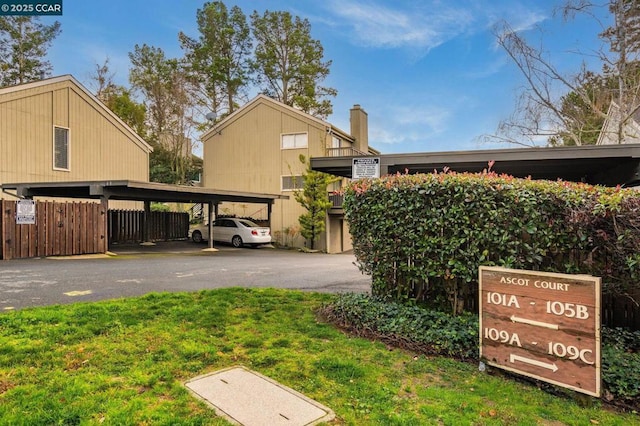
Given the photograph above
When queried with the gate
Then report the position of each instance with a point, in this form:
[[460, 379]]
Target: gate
[[61, 229]]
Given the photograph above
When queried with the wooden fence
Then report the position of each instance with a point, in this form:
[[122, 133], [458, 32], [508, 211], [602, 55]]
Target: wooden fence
[[61, 229], [67, 229], [126, 226]]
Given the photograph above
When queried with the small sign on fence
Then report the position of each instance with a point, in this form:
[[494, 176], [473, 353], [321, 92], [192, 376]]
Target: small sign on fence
[[25, 212], [542, 325]]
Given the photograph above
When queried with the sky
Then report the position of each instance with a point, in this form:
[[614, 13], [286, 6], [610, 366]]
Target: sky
[[429, 73]]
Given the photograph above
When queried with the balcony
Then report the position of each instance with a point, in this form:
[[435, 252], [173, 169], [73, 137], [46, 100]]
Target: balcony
[[336, 202], [344, 152]]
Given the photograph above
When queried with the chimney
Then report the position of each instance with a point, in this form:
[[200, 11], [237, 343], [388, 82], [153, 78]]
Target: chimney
[[360, 128]]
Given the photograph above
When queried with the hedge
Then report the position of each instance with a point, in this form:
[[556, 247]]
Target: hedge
[[422, 237]]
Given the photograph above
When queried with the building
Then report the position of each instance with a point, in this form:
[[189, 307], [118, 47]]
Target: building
[[611, 134], [55, 130], [257, 149]]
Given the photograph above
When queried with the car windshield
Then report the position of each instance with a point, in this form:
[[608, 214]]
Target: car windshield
[[248, 223]]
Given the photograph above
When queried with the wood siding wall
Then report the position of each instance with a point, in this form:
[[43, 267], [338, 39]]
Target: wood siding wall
[[247, 156], [61, 229], [100, 148]]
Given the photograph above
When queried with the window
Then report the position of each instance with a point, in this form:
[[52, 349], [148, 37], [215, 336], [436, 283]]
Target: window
[[60, 148], [335, 142], [291, 183], [294, 140]]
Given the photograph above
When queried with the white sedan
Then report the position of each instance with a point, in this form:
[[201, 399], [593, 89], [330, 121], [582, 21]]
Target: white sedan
[[238, 232]]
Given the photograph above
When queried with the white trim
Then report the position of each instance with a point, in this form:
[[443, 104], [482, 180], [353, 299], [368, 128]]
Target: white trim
[[68, 168], [282, 135]]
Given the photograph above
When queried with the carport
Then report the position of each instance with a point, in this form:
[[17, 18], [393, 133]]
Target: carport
[[128, 190], [609, 165]]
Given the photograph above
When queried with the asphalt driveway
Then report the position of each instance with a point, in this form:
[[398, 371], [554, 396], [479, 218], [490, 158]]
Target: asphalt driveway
[[171, 267]]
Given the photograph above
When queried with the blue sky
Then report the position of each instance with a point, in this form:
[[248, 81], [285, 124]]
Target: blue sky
[[428, 72]]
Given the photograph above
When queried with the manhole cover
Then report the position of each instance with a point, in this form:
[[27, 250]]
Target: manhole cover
[[248, 398]]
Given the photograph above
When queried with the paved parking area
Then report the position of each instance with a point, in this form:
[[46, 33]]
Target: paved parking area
[[175, 266]]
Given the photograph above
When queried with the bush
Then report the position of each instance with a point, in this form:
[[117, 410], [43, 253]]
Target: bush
[[438, 333], [621, 362], [427, 331], [423, 237]]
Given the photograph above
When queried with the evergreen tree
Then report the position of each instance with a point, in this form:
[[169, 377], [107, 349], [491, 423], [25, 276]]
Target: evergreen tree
[[218, 62], [315, 199], [289, 62], [24, 42]]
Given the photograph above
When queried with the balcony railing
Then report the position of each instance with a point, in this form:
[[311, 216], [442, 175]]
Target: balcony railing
[[344, 152], [336, 200]]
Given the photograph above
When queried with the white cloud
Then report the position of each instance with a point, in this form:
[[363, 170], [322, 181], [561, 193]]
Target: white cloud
[[488, 69], [523, 20], [422, 26], [406, 124], [374, 25]]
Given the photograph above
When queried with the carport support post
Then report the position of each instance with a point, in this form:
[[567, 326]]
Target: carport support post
[[212, 213], [145, 225]]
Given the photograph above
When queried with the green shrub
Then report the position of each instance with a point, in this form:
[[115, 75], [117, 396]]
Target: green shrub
[[437, 333], [621, 362], [423, 237], [428, 331]]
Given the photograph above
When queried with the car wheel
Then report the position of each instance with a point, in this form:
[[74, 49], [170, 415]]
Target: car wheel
[[236, 241], [196, 237]]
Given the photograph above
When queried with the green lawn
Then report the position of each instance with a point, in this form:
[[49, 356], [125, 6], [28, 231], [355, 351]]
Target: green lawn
[[124, 362]]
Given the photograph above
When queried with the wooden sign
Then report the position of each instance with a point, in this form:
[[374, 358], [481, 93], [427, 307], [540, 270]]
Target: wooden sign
[[542, 325]]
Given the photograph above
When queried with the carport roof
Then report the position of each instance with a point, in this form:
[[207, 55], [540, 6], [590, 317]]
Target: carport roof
[[602, 164], [136, 191]]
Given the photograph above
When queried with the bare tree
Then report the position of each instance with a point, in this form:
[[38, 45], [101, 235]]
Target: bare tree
[[560, 109], [102, 80]]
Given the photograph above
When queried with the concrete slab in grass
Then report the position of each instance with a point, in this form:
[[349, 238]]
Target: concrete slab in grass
[[248, 398]]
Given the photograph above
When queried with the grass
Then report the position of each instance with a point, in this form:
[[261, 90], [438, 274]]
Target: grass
[[124, 362]]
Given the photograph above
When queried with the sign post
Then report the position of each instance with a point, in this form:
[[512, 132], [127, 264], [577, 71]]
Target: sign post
[[542, 325]]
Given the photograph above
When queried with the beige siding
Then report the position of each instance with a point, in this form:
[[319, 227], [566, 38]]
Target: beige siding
[[246, 155], [61, 107], [100, 147]]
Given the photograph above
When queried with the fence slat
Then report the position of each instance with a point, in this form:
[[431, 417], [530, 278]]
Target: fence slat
[[126, 226]]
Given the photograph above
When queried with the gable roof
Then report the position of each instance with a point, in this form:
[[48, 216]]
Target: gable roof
[[632, 126], [68, 78], [263, 99]]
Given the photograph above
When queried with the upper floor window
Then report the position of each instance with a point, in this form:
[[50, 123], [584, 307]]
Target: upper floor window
[[292, 183], [60, 148], [294, 140]]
